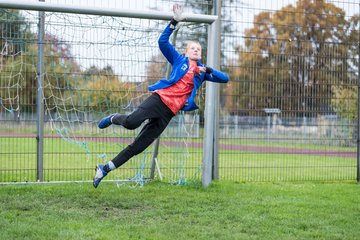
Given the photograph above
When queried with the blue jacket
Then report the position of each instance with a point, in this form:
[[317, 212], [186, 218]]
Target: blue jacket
[[180, 66]]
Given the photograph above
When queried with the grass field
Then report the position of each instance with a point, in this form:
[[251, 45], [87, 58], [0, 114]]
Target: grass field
[[66, 161], [163, 211]]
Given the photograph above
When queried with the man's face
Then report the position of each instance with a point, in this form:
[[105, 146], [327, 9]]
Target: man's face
[[193, 51]]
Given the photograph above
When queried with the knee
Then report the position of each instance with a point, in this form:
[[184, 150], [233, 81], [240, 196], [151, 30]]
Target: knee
[[129, 123]]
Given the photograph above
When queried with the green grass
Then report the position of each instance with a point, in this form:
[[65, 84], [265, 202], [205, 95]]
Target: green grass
[[290, 143], [249, 138], [243, 166], [162, 211], [66, 161]]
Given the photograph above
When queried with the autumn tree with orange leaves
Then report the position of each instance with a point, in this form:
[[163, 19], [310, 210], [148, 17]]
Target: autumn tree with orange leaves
[[292, 59]]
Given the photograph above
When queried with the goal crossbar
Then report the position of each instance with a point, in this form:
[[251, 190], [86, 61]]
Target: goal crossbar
[[130, 13]]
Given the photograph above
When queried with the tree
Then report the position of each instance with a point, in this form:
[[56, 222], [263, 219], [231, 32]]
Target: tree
[[291, 59], [103, 91], [14, 31], [345, 99], [156, 69], [19, 75]]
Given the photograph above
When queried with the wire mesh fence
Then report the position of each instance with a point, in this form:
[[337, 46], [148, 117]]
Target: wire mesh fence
[[291, 107], [289, 112]]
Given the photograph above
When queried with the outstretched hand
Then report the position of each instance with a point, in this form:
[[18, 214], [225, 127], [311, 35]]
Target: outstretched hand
[[178, 12]]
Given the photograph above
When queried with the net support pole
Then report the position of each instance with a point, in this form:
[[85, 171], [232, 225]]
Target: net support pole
[[210, 149], [39, 98], [358, 114]]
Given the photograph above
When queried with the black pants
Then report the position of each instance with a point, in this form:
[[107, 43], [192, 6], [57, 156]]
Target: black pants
[[159, 116]]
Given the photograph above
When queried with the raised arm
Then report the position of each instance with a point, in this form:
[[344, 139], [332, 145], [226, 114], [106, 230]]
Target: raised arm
[[165, 46]]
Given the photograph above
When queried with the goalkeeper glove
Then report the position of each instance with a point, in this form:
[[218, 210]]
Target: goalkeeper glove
[[178, 15]]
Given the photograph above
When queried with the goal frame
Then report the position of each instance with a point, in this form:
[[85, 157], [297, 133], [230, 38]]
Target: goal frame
[[210, 146]]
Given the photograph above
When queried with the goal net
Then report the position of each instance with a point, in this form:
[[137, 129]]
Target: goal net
[[93, 66]]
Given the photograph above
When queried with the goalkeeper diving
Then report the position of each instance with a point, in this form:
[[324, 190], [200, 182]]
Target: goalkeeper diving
[[168, 97]]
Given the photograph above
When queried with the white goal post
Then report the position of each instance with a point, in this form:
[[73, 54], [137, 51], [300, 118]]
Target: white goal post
[[209, 168]]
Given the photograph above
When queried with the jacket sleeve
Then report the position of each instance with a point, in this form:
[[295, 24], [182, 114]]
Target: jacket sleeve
[[165, 46], [217, 76]]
